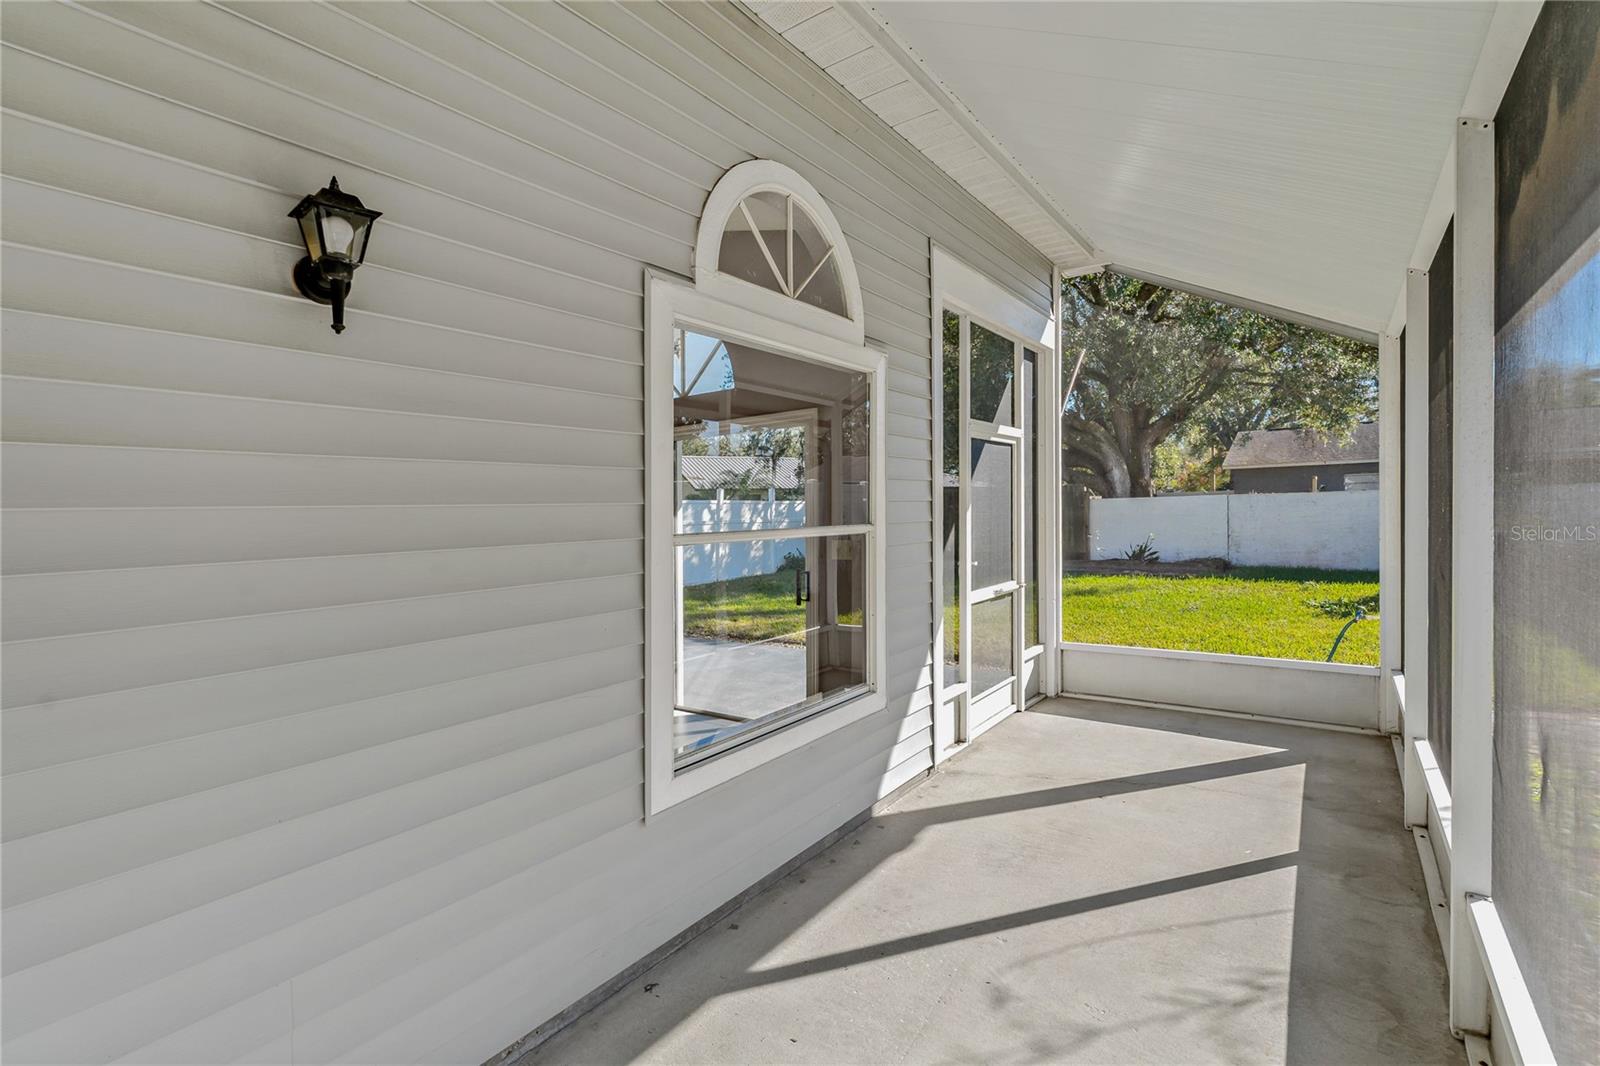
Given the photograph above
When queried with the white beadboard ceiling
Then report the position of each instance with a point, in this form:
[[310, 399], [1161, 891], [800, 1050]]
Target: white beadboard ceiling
[[1282, 153], [852, 44]]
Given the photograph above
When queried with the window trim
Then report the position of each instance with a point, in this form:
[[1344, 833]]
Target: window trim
[[671, 302], [763, 175]]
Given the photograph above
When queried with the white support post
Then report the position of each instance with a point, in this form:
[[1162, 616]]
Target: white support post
[[944, 728], [1472, 571], [1049, 496], [1414, 547], [1389, 532]]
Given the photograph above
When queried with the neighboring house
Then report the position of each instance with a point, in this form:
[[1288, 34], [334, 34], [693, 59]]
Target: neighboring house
[[1303, 460]]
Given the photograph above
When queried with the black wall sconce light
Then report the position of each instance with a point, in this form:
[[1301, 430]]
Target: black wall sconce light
[[335, 227]]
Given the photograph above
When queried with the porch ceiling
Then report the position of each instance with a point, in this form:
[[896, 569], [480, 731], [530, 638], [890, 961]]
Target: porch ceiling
[[1286, 154]]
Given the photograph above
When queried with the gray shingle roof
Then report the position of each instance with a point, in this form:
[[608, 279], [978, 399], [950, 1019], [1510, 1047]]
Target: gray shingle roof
[[1302, 447], [710, 471]]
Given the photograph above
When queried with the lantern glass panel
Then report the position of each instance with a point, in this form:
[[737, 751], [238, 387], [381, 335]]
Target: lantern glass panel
[[338, 235], [308, 231], [358, 249]]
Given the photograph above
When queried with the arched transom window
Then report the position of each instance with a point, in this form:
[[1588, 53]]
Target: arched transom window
[[765, 226], [775, 243]]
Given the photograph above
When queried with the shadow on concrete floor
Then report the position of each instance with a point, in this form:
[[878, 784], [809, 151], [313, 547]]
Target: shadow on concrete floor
[[1089, 883]]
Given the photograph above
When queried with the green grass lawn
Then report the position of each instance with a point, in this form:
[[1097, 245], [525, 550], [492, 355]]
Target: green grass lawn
[[1282, 613], [1278, 612]]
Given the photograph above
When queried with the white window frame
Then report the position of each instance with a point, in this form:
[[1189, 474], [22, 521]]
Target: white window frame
[[965, 291], [764, 175], [727, 307]]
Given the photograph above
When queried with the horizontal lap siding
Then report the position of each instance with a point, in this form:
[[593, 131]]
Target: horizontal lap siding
[[323, 690]]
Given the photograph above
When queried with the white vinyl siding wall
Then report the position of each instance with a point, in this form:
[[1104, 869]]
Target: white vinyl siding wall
[[323, 674]]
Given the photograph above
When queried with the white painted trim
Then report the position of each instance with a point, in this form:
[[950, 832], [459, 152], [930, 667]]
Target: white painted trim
[[959, 288], [1341, 694], [1049, 475], [1300, 665], [1472, 565], [1503, 43], [1302, 723], [760, 175], [1390, 596], [1516, 1024], [946, 698], [1436, 794], [964, 521], [670, 302], [1524, 1033], [1433, 883], [1414, 547]]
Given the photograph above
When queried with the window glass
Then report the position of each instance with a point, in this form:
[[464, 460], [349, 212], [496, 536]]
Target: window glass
[[771, 630], [950, 479], [766, 441], [816, 271], [772, 627], [992, 643], [993, 367], [755, 242], [992, 530], [772, 241]]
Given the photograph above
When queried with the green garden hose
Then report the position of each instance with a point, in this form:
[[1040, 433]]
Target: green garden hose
[[1361, 613]]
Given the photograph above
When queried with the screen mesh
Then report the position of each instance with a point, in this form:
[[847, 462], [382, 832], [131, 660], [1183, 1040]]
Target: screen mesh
[[1546, 875], [1441, 352]]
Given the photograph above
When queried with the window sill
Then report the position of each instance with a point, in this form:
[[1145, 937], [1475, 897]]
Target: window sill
[[703, 775]]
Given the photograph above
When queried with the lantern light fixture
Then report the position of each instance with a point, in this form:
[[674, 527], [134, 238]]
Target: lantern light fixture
[[335, 227]]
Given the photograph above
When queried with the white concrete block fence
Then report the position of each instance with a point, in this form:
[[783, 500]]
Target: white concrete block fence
[[1327, 530]]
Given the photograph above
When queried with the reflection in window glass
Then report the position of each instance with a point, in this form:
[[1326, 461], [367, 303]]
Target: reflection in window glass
[[771, 240], [990, 380], [773, 627], [772, 630], [992, 643], [816, 271], [765, 441], [753, 241], [992, 530], [770, 212], [950, 479]]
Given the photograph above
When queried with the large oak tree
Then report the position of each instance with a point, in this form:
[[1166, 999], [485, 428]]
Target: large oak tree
[[1156, 362]]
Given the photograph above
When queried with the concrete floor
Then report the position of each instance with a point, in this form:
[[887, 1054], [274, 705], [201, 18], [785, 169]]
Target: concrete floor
[[1090, 883]]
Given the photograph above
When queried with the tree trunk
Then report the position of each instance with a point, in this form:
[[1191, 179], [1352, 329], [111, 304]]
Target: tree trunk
[[1140, 464], [1116, 473]]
